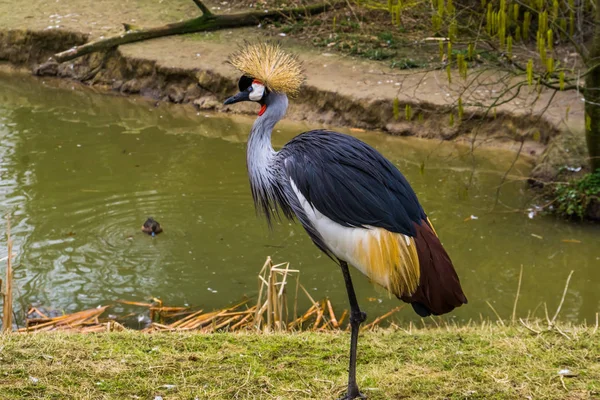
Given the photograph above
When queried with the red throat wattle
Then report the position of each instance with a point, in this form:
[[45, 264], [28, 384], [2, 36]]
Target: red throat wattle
[[262, 110]]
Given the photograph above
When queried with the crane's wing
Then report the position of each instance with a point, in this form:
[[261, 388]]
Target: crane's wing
[[351, 183], [373, 218]]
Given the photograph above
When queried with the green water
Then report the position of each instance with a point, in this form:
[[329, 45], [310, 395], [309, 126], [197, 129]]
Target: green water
[[80, 172]]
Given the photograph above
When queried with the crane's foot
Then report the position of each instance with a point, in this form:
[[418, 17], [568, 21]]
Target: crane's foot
[[357, 395], [353, 392]]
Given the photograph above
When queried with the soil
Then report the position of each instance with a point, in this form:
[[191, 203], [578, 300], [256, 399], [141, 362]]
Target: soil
[[340, 90]]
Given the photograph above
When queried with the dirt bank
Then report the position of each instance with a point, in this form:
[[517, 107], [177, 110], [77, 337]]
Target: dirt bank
[[342, 91], [129, 71]]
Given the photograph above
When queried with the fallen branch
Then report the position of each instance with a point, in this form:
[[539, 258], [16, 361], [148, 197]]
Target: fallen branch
[[202, 7], [207, 22]]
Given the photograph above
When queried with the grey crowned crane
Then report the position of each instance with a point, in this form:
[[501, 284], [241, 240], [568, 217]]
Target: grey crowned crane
[[355, 204]]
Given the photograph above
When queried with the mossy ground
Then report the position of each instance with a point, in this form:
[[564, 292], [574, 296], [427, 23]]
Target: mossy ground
[[484, 362]]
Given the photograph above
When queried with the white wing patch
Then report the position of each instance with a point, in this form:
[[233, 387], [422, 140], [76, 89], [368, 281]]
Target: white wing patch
[[377, 253], [339, 239]]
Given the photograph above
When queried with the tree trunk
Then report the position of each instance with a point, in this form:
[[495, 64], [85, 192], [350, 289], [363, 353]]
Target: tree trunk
[[207, 22], [592, 96]]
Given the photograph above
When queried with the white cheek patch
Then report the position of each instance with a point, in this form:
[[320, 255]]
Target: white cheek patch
[[257, 91]]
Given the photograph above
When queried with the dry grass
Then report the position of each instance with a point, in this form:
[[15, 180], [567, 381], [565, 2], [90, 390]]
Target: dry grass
[[486, 361]]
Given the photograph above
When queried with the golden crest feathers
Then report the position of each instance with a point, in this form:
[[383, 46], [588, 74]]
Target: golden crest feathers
[[268, 63]]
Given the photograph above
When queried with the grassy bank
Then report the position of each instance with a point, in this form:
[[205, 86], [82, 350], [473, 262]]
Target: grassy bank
[[484, 362]]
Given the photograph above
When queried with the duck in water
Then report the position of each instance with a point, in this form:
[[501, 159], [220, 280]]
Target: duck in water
[[151, 227]]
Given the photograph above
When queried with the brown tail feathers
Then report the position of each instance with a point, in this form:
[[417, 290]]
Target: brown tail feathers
[[439, 290]]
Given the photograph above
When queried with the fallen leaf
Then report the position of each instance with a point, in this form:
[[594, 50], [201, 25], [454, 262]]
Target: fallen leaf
[[571, 241]]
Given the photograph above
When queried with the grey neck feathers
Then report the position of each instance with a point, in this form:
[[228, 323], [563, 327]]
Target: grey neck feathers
[[261, 156]]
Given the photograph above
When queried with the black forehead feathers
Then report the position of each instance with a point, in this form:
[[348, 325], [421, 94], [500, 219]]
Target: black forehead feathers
[[245, 82]]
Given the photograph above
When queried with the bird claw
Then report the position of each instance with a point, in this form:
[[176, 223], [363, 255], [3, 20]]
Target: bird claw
[[358, 395]]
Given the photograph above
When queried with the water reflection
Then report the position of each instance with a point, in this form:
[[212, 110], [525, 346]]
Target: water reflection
[[80, 172]]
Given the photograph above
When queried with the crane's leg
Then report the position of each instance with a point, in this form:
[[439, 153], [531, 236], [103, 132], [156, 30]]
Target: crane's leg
[[356, 318]]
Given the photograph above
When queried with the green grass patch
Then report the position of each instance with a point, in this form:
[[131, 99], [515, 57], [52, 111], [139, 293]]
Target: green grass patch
[[487, 362], [574, 197]]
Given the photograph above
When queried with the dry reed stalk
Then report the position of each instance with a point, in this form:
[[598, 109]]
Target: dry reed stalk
[[270, 301], [228, 321], [34, 321], [281, 299], [135, 303], [343, 317], [261, 281], [184, 320], [158, 304], [168, 309], [7, 308], [296, 295], [334, 321], [173, 316], [500, 321], [38, 322], [204, 320], [514, 313], [240, 323], [562, 300], [157, 301], [200, 320], [67, 322], [312, 310], [115, 326], [308, 294], [37, 311], [325, 326], [166, 312], [110, 326], [92, 329], [434, 321], [318, 320], [248, 311], [279, 293], [381, 318], [160, 326], [272, 297]]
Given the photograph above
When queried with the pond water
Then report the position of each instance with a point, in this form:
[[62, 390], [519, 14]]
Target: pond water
[[81, 171]]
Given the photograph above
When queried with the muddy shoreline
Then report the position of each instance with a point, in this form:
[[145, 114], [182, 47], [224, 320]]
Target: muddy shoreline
[[206, 88]]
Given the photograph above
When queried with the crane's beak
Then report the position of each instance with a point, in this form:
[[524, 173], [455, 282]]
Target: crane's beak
[[241, 96]]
